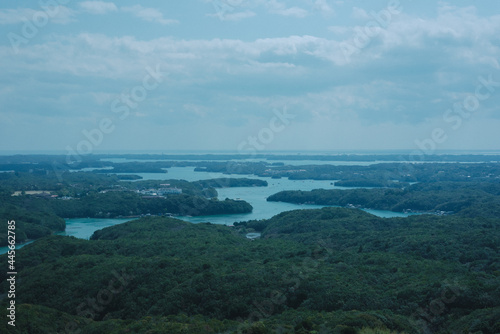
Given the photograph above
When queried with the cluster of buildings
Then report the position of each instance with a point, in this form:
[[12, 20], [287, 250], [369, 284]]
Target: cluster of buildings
[[283, 172], [163, 191], [36, 193]]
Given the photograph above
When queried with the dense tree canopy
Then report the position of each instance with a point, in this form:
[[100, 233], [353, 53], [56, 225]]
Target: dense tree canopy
[[474, 199], [334, 267]]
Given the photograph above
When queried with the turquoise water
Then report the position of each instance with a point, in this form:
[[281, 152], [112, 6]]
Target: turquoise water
[[84, 227], [256, 196], [262, 209], [182, 173], [5, 249]]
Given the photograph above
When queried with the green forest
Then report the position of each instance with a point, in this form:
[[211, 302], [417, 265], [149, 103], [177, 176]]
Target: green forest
[[331, 270], [472, 199]]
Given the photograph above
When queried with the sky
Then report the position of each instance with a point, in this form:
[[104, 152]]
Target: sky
[[249, 75]]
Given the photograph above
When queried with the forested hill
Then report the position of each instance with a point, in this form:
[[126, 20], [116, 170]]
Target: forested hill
[[331, 270], [472, 199]]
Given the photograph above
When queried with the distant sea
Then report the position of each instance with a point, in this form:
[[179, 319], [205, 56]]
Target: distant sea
[[280, 152]]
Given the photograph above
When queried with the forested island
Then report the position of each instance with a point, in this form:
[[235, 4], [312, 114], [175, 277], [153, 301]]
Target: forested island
[[472, 199], [371, 183]]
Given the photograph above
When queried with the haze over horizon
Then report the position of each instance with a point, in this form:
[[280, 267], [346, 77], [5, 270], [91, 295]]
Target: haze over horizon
[[249, 76]]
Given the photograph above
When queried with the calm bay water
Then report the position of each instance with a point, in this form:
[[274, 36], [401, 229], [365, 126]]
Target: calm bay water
[[84, 227], [256, 196], [5, 249]]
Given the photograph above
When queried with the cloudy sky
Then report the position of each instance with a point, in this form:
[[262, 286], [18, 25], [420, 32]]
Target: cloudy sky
[[97, 76]]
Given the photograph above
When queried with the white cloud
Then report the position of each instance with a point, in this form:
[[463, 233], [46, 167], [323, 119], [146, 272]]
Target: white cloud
[[235, 16], [456, 33], [280, 8], [339, 30], [149, 14], [359, 13], [58, 15], [459, 36], [323, 6], [64, 15], [98, 7]]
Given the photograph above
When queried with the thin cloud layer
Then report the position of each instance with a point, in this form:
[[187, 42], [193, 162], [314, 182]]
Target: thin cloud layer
[[98, 7], [148, 14]]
